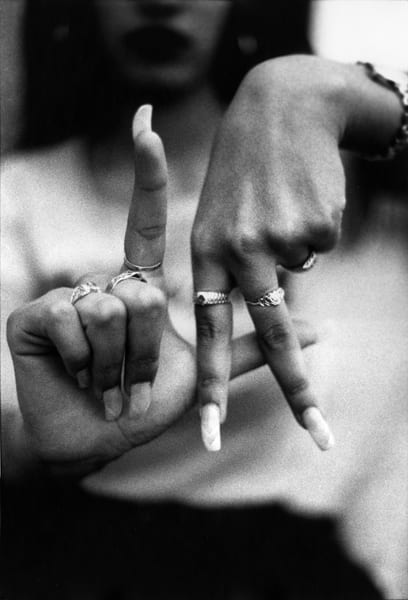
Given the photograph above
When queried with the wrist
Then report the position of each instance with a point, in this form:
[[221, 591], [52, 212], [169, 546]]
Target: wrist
[[359, 113], [374, 114], [308, 91]]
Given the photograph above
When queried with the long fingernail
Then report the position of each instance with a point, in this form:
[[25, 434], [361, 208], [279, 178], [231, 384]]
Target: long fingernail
[[84, 379], [112, 400], [210, 427], [140, 399], [318, 428], [142, 120]]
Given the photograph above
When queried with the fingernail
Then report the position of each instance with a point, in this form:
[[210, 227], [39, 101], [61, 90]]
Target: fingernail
[[318, 428], [142, 120], [140, 399], [210, 427], [84, 379], [112, 400]]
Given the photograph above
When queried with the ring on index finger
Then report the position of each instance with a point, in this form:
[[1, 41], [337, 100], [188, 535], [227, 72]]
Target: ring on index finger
[[123, 277], [138, 268]]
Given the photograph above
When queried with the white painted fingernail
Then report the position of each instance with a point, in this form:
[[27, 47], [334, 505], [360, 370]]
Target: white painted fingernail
[[140, 399], [318, 428], [142, 121], [112, 400], [84, 379], [210, 427]]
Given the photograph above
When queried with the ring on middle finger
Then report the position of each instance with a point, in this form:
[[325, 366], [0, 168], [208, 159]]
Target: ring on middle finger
[[83, 289], [205, 298], [123, 277], [269, 298]]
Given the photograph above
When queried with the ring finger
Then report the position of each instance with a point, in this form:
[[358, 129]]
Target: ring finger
[[103, 318], [281, 347]]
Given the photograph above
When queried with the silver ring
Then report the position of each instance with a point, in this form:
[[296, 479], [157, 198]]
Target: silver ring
[[204, 298], [269, 298], [132, 267], [82, 290], [306, 265], [122, 277]]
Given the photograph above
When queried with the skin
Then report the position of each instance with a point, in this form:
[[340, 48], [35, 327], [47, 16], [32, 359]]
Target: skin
[[263, 230], [199, 24], [67, 357], [285, 195]]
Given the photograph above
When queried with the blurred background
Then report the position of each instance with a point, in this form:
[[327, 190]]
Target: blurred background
[[346, 30], [369, 30]]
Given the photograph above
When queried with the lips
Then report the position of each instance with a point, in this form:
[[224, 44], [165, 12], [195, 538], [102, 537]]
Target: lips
[[156, 44]]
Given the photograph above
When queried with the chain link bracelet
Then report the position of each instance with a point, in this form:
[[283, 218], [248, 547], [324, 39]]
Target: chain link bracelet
[[396, 81]]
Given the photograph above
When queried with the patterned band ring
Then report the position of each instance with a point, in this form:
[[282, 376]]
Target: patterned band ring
[[82, 290], [269, 298], [132, 267], [306, 265], [123, 277], [204, 298]]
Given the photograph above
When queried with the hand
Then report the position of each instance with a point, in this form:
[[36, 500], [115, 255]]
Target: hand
[[274, 191], [55, 343], [69, 359]]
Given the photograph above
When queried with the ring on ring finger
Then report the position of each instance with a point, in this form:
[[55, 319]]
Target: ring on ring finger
[[306, 265]]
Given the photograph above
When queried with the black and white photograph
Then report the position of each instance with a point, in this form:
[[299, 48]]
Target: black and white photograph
[[204, 299]]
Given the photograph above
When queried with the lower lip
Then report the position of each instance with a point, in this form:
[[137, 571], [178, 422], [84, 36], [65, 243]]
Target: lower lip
[[156, 45]]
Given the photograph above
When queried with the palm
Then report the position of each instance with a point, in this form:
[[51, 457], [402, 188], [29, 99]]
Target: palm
[[67, 425]]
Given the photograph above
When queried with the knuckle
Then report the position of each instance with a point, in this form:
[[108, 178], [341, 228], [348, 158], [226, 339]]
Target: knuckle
[[206, 382], [107, 312], [145, 366], [208, 328], [286, 236], [276, 336], [152, 232], [203, 245], [296, 387], [325, 234], [248, 242], [59, 312], [151, 301]]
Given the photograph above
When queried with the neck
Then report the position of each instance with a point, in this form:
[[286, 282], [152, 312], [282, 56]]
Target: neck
[[187, 129]]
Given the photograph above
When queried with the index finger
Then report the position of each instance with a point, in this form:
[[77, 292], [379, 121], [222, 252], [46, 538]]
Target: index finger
[[146, 227], [282, 350]]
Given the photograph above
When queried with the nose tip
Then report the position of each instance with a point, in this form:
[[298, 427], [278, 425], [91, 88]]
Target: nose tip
[[159, 8]]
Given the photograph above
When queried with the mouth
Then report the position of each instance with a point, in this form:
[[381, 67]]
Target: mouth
[[156, 44]]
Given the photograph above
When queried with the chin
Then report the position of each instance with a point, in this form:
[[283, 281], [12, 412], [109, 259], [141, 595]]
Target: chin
[[162, 83]]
